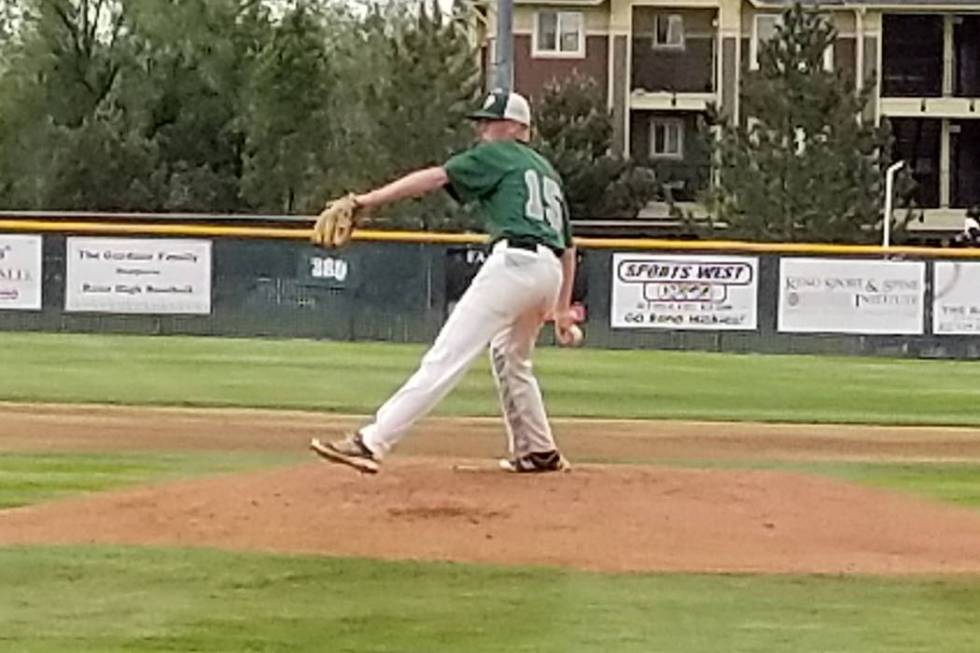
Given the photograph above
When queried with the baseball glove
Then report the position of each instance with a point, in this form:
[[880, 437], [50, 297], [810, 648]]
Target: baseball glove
[[335, 224]]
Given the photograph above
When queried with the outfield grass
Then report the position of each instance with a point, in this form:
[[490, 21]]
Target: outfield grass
[[116, 600], [110, 600], [357, 377], [954, 483], [27, 478]]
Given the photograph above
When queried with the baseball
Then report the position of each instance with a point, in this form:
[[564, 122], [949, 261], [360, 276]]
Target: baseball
[[575, 336]]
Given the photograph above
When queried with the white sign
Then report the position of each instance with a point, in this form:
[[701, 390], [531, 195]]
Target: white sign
[[128, 275], [326, 267], [653, 291], [851, 296], [20, 273], [956, 300]]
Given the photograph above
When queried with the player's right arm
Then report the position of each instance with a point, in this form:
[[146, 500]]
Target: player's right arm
[[563, 310], [569, 259]]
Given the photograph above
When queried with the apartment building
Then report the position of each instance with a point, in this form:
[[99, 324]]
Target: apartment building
[[661, 63]]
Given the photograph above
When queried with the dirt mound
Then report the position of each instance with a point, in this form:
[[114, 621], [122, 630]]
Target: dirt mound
[[613, 518], [29, 427]]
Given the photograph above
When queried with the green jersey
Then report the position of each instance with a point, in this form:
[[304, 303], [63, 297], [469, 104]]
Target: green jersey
[[520, 192]]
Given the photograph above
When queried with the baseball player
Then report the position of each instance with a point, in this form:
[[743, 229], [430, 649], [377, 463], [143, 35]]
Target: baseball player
[[526, 279], [970, 236]]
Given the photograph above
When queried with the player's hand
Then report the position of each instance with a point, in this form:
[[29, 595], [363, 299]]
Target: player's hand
[[564, 333]]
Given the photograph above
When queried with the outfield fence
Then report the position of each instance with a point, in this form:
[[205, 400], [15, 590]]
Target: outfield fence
[[98, 273]]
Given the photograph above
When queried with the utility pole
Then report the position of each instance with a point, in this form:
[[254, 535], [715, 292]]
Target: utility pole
[[505, 44]]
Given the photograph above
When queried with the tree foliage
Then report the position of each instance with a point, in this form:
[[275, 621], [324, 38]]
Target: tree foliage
[[575, 131], [224, 105], [261, 106], [418, 105], [803, 164]]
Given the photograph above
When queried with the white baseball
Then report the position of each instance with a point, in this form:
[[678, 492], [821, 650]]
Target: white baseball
[[575, 336]]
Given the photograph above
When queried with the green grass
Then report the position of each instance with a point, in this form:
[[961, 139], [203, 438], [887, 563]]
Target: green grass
[[27, 478], [114, 600], [954, 483], [33, 478], [357, 377], [110, 600]]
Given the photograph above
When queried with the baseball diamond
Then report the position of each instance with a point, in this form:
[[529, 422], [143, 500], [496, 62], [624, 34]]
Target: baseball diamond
[[653, 517], [232, 538], [538, 326]]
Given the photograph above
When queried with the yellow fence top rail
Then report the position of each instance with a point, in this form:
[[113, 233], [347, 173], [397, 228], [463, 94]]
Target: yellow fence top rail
[[649, 244]]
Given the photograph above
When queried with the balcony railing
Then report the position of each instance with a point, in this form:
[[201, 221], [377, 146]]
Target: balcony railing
[[912, 76], [682, 181], [687, 70], [912, 55]]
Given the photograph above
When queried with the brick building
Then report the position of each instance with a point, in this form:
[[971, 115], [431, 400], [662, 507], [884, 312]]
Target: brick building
[[662, 62]]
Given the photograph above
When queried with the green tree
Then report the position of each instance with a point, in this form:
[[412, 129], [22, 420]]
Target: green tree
[[62, 133], [804, 165], [76, 45], [574, 130], [430, 80], [288, 114], [225, 105], [187, 65]]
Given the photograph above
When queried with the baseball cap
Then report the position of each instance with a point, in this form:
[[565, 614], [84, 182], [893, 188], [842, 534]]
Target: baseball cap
[[501, 105]]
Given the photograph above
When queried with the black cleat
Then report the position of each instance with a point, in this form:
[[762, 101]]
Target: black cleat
[[537, 462], [350, 451]]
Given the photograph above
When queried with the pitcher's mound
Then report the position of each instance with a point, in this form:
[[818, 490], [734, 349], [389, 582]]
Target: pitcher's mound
[[615, 518]]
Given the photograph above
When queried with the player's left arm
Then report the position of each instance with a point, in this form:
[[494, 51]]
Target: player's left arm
[[414, 184]]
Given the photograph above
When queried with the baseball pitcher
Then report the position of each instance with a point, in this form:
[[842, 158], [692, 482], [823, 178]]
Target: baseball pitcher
[[526, 279]]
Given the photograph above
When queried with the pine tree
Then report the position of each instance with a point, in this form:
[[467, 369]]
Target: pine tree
[[289, 112], [574, 131], [430, 80], [803, 165]]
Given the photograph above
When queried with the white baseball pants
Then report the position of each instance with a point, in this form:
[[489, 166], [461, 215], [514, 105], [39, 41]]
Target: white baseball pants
[[504, 307]]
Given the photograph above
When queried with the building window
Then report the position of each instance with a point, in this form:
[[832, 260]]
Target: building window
[[668, 31], [559, 34], [764, 28], [666, 138]]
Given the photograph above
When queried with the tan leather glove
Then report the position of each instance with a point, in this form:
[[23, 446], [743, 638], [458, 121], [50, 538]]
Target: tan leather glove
[[335, 224]]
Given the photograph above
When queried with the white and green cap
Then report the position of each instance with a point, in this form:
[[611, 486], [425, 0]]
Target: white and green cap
[[501, 105]]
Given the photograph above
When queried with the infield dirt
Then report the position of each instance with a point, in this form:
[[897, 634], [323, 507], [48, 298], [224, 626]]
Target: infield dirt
[[632, 512]]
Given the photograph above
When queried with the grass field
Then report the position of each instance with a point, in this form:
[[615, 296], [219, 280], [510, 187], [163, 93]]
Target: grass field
[[26, 479], [102, 599], [355, 378], [35, 477], [950, 482], [107, 600]]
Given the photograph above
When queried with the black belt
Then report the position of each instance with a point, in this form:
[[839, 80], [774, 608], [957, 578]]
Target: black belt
[[531, 245]]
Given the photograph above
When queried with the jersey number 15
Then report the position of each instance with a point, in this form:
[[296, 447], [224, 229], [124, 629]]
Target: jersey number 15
[[551, 208]]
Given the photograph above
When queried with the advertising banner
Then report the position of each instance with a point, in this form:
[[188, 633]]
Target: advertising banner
[[956, 301], [696, 292], [143, 276], [851, 296], [20, 273]]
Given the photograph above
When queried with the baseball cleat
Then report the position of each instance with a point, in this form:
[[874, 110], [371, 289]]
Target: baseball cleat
[[536, 463], [350, 451]]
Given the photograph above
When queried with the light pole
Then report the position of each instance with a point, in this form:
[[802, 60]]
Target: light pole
[[505, 44], [886, 233]]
